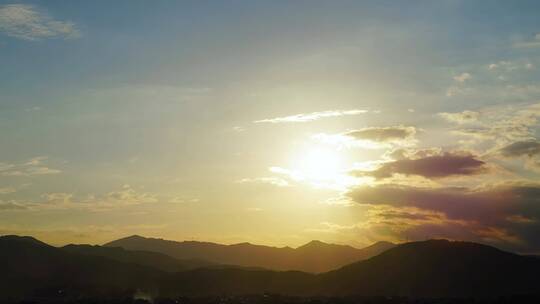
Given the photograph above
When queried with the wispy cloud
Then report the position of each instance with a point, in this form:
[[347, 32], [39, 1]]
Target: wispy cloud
[[533, 43], [265, 180], [462, 77], [372, 137], [28, 23], [504, 124], [7, 190], [31, 167], [460, 117], [306, 117], [11, 205], [126, 196], [383, 134], [458, 88], [510, 66]]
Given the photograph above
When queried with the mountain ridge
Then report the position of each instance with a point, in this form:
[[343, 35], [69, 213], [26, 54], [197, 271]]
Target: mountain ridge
[[433, 268], [314, 256]]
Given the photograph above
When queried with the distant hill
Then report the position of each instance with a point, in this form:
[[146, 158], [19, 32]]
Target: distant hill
[[32, 268], [435, 268], [313, 257], [145, 258]]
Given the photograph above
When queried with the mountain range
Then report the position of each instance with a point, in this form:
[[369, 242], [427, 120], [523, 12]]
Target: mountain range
[[433, 268], [314, 256]]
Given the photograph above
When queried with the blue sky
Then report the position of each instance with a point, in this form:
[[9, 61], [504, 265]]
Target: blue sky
[[136, 117]]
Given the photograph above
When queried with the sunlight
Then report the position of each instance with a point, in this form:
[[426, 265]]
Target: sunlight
[[322, 168], [321, 163]]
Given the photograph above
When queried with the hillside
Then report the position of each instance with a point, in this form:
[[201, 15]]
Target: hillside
[[313, 257], [30, 267], [435, 268], [145, 258]]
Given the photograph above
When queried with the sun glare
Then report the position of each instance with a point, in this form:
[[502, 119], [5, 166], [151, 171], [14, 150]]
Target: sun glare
[[321, 163], [322, 168]]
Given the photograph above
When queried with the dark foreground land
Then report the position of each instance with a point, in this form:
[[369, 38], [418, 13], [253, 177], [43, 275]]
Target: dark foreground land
[[276, 299], [435, 271]]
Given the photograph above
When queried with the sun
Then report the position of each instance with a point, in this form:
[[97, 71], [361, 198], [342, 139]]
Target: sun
[[321, 163], [322, 168]]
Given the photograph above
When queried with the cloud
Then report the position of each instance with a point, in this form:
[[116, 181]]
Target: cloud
[[129, 196], [58, 198], [528, 149], [462, 77], [383, 134], [521, 148], [307, 117], [123, 197], [32, 167], [510, 66], [183, 200], [504, 124], [507, 212], [433, 166], [455, 90], [7, 190], [11, 205], [459, 88], [26, 22], [333, 228], [394, 224], [371, 138], [460, 117], [533, 43], [265, 180]]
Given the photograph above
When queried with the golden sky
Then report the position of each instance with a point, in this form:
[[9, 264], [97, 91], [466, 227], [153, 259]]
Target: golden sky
[[273, 123]]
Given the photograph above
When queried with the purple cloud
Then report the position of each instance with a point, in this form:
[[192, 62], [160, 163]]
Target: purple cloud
[[433, 166]]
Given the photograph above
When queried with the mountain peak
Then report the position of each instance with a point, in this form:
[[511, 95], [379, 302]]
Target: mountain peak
[[131, 238], [23, 239], [314, 244], [134, 237], [382, 243], [441, 247]]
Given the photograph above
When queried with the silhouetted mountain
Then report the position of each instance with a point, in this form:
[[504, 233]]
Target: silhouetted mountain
[[437, 268], [145, 258], [434, 268], [30, 267], [315, 256]]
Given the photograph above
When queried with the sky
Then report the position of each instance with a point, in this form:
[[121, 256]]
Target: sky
[[271, 122]]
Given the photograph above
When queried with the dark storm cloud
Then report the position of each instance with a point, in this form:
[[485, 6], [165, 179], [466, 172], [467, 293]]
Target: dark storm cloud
[[432, 166]]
